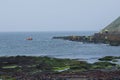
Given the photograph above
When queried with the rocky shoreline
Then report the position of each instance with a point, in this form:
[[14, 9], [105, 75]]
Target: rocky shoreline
[[105, 38], [48, 68], [109, 35]]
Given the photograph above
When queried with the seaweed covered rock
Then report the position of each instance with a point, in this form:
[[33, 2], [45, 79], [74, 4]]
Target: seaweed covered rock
[[103, 65], [82, 65], [109, 58], [47, 68]]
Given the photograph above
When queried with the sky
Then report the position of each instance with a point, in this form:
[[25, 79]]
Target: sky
[[57, 15]]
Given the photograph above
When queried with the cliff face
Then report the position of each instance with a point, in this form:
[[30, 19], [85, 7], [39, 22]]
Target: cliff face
[[114, 27]]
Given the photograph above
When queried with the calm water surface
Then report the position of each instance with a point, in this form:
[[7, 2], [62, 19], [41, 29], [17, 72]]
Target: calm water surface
[[15, 43]]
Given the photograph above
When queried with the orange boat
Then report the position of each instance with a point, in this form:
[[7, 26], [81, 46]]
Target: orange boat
[[30, 38]]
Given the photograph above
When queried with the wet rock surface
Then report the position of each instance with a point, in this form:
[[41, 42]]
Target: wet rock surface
[[47, 68]]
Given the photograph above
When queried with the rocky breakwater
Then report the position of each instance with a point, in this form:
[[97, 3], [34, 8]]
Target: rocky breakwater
[[76, 38], [106, 38]]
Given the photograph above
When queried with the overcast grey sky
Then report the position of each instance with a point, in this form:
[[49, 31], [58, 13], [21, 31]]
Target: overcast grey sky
[[57, 15]]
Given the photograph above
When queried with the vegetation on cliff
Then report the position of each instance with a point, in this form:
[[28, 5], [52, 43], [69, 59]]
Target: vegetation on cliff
[[113, 27]]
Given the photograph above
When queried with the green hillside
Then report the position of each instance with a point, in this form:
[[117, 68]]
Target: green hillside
[[114, 27]]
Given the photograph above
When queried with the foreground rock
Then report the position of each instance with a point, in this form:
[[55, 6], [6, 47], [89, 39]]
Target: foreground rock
[[46, 68]]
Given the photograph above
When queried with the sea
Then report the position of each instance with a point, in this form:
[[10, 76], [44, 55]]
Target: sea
[[15, 43]]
